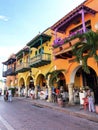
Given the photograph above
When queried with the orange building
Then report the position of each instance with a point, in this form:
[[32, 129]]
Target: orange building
[[78, 21], [9, 67]]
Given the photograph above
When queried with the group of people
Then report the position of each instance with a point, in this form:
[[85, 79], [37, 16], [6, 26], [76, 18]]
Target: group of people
[[88, 100], [59, 92], [8, 95]]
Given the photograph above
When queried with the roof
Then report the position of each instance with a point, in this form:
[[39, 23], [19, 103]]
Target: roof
[[9, 61], [25, 49], [67, 19], [36, 41]]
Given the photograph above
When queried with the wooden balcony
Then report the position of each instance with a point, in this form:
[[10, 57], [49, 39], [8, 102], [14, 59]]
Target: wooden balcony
[[8, 72], [65, 50], [22, 67], [40, 60]]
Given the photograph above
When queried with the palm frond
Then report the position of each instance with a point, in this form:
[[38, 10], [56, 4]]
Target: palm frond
[[89, 44], [54, 74]]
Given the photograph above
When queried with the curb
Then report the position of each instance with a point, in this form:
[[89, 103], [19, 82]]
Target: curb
[[69, 112], [93, 118]]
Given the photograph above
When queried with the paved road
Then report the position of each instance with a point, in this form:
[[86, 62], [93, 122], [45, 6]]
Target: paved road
[[23, 115]]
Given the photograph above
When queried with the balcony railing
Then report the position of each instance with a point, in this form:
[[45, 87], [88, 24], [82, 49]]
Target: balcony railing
[[10, 71], [63, 48], [59, 41], [23, 67], [40, 60]]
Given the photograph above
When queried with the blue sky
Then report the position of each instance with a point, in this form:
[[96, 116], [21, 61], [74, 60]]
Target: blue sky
[[22, 20]]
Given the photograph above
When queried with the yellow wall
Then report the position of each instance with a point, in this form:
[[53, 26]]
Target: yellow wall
[[40, 70]]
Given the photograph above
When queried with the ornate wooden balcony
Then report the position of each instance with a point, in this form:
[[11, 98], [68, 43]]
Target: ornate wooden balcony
[[65, 50], [10, 71], [22, 67], [40, 60], [62, 48]]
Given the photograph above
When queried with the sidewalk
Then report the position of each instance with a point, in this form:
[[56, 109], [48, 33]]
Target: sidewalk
[[72, 110]]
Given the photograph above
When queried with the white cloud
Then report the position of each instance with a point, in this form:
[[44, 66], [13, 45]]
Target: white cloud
[[4, 18]]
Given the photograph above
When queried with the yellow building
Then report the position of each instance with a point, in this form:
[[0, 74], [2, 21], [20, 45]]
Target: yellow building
[[34, 61]]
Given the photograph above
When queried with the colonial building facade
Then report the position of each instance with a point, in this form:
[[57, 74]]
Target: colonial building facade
[[51, 51]]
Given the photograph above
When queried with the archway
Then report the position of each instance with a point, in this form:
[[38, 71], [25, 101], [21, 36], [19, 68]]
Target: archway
[[30, 83], [82, 79], [41, 81], [22, 83], [58, 80]]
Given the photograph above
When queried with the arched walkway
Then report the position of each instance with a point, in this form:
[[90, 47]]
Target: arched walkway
[[79, 78]]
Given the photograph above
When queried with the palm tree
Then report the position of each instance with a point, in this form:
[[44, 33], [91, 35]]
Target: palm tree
[[54, 75], [86, 48]]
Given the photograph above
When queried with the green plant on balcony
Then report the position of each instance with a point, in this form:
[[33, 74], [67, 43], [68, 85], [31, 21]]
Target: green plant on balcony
[[66, 40], [89, 44]]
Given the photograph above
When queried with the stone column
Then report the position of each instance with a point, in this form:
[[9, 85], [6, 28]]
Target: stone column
[[49, 94], [36, 91], [71, 95], [26, 91], [49, 91], [19, 91]]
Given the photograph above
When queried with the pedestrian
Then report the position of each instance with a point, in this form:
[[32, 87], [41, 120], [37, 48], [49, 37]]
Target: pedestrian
[[63, 96], [32, 93], [91, 103], [0, 92], [54, 99], [46, 93], [6, 95], [10, 95]]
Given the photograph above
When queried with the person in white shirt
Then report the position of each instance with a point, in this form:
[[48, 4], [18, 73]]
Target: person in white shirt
[[9, 95]]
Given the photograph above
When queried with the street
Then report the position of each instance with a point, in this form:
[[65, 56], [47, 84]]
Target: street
[[24, 115]]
